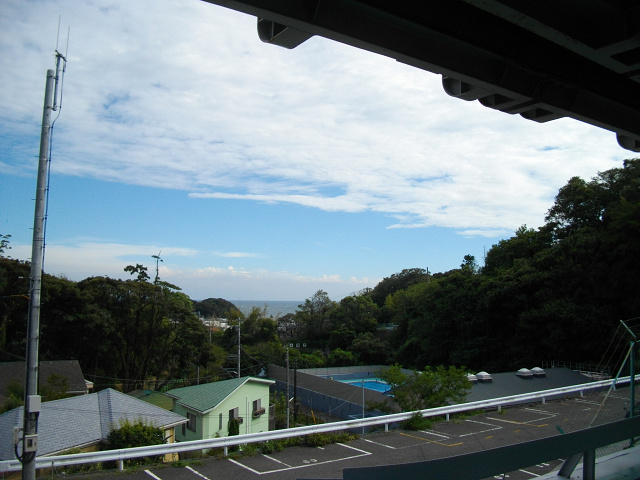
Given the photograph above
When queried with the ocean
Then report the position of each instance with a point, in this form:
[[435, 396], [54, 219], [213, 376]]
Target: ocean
[[275, 309]]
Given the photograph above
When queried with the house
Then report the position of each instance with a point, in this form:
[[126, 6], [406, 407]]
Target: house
[[84, 422], [50, 375], [158, 399], [208, 407]]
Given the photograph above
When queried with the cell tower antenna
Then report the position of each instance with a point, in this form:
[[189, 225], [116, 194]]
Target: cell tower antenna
[[60, 58]]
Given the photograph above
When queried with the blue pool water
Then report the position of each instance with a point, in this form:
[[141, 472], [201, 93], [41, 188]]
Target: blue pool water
[[377, 385]]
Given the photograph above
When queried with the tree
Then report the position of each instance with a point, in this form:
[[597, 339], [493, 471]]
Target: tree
[[214, 308], [431, 388], [4, 244], [398, 281], [136, 434], [314, 316]]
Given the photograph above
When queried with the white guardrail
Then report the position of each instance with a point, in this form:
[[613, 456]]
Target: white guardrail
[[225, 442]]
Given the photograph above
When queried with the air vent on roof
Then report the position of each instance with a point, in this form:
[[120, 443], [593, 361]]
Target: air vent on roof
[[538, 372], [483, 377], [472, 378], [524, 373]]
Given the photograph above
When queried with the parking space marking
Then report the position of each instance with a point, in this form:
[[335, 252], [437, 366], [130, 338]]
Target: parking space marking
[[378, 443], [494, 427], [529, 473], [353, 448], [197, 473], [275, 460], [152, 475], [431, 441], [308, 463], [436, 434]]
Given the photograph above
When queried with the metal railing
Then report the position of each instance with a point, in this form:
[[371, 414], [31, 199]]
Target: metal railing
[[225, 442]]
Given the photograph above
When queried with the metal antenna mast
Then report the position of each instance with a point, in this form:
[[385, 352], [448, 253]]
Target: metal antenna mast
[[31, 398]]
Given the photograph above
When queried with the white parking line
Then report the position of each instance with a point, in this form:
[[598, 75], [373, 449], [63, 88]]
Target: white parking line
[[152, 475], [197, 473], [436, 434], [530, 473], [363, 454], [275, 460], [378, 443], [495, 427], [353, 448]]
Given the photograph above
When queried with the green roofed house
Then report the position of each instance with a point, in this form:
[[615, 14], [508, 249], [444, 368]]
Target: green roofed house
[[209, 407]]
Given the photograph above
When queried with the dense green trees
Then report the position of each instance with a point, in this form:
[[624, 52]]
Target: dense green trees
[[553, 293]]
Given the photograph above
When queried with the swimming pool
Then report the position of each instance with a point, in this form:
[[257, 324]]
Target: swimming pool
[[371, 384]]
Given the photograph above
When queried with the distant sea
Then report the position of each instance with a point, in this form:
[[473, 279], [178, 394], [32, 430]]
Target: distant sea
[[274, 308]]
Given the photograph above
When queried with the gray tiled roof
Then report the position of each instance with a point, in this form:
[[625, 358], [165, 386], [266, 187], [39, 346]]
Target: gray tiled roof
[[206, 396], [82, 420], [69, 369]]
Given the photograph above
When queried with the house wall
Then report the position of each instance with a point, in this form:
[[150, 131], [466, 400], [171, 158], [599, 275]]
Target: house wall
[[208, 426]]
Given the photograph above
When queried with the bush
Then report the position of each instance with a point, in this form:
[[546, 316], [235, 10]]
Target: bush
[[138, 434], [416, 422]]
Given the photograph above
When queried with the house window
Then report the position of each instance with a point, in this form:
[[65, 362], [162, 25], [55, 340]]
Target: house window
[[257, 408], [235, 413], [191, 425], [220, 423]]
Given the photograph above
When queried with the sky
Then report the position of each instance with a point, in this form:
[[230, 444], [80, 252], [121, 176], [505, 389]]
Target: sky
[[257, 172]]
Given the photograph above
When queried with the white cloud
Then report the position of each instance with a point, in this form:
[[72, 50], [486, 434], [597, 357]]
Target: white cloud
[[196, 102]]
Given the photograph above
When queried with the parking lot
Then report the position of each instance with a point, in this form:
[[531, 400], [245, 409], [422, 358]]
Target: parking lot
[[459, 436]]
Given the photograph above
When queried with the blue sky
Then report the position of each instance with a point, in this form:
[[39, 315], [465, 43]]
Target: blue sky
[[258, 172]]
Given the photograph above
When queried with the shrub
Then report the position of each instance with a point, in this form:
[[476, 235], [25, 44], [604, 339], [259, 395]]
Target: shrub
[[138, 434], [416, 422]]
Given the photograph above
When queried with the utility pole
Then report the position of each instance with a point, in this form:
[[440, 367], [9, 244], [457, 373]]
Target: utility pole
[[238, 348], [32, 400], [287, 395]]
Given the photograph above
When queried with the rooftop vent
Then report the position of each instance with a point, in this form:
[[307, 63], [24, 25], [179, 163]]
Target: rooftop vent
[[472, 378], [484, 377], [524, 373], [538, 372]]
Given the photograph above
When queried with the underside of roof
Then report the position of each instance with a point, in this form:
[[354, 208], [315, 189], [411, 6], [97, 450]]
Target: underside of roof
[[540, 59]]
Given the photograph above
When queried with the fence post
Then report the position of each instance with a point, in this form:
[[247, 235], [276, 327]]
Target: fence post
[[121, 465]]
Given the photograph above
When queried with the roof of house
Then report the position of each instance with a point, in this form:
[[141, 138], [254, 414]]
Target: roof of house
[[69, 369], [207, 396], [83, 420], [507, 384], [158, 399]]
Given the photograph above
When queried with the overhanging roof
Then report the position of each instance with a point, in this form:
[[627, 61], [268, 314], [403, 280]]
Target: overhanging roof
[[541, 59]]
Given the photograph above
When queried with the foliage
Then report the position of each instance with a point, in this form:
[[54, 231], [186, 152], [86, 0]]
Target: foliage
[[135, 434], [314, 315], [416, 422], [4, 244], [234, 427], [397, 281], [214, 308], [431, 388]]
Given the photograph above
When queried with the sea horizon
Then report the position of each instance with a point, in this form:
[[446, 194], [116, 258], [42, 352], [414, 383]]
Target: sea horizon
[[275, 308]]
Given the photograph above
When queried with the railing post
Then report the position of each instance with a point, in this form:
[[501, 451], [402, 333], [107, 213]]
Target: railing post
[[386, 427], [121, 465], [589, 465]]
